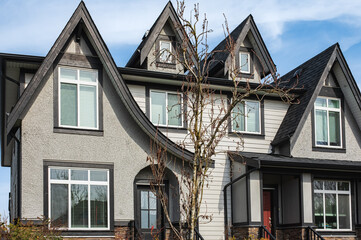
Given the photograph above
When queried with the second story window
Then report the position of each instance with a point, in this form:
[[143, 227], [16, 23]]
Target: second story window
[[328, 122], [165, 51], [78, 98], [166, 108], [246, 117], [244, 62]]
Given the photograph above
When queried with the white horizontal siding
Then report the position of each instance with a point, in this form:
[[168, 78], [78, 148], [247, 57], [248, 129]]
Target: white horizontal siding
[[138, 93]]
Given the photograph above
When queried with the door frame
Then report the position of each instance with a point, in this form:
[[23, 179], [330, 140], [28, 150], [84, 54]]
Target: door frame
[[274, 206]]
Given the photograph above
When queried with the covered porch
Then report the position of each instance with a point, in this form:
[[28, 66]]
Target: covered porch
[[293, 198]]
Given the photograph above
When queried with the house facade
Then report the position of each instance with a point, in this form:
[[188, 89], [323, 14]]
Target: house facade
[[77, 131]]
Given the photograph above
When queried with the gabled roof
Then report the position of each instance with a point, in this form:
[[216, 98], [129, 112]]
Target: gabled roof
[[142, 51], [311, 76], [81, 15], [221, 56]]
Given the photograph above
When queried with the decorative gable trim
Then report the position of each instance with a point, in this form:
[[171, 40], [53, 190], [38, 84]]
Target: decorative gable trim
[[81, 15]]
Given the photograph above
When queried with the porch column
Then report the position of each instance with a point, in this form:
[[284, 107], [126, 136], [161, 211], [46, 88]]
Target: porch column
[[255, 197], [307, 198]]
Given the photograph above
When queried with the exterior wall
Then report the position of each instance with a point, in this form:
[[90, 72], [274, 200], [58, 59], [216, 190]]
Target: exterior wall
[[138, 93], [303, 145], [124, 144], [14, 183], [239, 198], [307, 195]]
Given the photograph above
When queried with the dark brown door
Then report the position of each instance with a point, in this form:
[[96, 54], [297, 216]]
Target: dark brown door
[[149, 215], [267, 209]]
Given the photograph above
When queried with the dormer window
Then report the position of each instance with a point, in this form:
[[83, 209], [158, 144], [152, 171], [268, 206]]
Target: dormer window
[[165, 51], [328, 122], [245, 62]]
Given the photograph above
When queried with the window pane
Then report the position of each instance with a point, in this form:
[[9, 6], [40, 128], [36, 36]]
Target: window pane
[[98, 175], [318, 205], [68, 104], [335, 136], [153, 219], [252, 116], [244, 58], [158, 107], [318, 185], [144, 199], [59, 205], [144, 219], [68, 74], [59, 174], [330, 205], [165, 48], [152, 201], [330, 185], [79, 175], [79, 206], [88, 106], [88, 76], [321, 127], [321, 102], [99, 206], [333, 103], [343, 186], [238, 118], [344, 211], [174, 110]]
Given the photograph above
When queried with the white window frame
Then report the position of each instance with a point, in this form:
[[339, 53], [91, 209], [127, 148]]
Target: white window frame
[[245, 118], [78, 83], [166, 113], [240, 62], [89, 183], [328, 109], [337, 192], [169, 60]]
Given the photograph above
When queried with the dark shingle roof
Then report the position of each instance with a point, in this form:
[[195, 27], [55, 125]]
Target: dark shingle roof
[[220, 55], [310, 74]]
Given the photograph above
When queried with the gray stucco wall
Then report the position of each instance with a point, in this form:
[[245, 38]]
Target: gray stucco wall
[[303, 145], [124, 144]]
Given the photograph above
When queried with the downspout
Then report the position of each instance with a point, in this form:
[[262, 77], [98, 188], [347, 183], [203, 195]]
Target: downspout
[[225, 198]]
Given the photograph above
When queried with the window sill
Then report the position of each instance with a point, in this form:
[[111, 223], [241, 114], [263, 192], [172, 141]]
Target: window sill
[[246, 75], [328, 149], [78, 131], [166, 65], [172, 129], [87, 233], [248, 135]]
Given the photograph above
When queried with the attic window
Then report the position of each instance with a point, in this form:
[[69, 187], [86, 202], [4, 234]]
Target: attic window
[[244, 62], [165, 51]]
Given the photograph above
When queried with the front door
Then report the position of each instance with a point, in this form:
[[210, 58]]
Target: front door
[[149, 220], [267, 209]]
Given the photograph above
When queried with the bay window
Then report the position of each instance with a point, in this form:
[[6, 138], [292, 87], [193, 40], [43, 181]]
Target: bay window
[[332, 205], [246, 117], [79, 198], [166, 108], [328, 122], [78, 98]]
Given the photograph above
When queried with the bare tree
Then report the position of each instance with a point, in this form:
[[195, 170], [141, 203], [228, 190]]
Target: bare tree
[[208, 113]]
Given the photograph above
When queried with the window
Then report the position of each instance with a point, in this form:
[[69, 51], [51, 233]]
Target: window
[[328, 122], [332, 205], [79, 198], [78, 98], [166, 108], [165, 51], [148, 208], [246, 117], [244, 62]]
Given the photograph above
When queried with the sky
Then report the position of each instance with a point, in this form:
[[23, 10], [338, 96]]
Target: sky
[[294, 31]]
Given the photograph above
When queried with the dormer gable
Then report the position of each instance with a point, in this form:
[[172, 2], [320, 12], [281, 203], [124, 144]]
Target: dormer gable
[[160, 44], [252, 60]]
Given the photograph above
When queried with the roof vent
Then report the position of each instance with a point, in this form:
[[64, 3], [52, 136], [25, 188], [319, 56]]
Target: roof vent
[[298, 73], [146, 34]]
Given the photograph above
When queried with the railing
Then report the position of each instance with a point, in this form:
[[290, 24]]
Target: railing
[[312, 234], [198, 235], [264, 233]]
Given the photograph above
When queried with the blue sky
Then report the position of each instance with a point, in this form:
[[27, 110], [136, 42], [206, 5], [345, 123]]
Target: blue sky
[[293, 31]]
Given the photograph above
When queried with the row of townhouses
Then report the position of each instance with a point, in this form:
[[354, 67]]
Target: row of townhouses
[[77, 129]]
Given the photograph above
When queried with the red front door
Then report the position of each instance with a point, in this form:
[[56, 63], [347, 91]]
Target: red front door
[[267, 210]]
